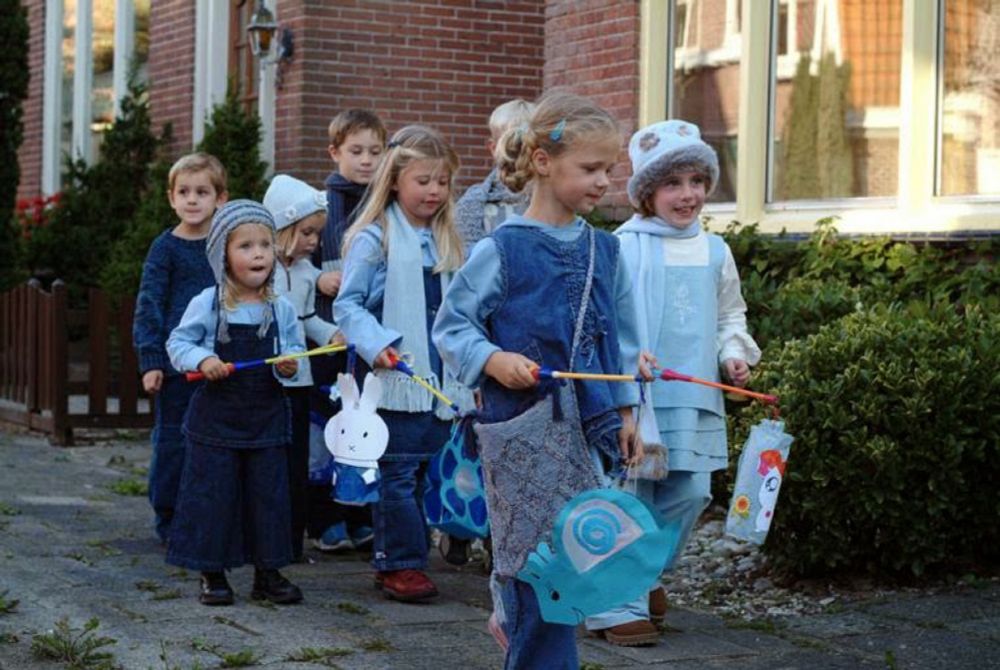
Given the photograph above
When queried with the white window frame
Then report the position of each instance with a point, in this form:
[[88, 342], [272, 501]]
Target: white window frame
[[915, 210], [211, 62], [83, 77]]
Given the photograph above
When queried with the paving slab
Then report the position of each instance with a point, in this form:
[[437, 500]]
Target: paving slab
[[72, 549]]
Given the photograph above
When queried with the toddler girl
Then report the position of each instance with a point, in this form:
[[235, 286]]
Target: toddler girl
[[233, 505]]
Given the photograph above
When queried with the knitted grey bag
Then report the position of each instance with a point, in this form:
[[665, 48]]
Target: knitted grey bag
[[534, 464]]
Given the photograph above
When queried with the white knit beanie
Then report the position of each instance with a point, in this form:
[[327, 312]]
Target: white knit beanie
[[290, 200], [657, 149]]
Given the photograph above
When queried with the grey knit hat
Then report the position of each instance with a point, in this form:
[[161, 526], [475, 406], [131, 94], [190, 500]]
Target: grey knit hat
[[227, 219], [657, 149]]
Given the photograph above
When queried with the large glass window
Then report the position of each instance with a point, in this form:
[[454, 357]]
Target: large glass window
[[836, 112], [706, 80], [68, 68], [102, 90], [969, 127]]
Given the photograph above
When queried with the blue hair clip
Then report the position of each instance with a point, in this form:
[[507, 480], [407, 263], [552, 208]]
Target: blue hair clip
[[557, 132]]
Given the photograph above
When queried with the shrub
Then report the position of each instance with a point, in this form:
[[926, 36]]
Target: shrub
[[13, 90], [896, 463], [232, 135]]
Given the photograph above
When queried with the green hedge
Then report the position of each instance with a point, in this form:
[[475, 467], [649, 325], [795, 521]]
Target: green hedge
[[896, 463]]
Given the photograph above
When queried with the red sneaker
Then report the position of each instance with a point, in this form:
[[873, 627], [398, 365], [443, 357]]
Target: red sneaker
[[407, 585]]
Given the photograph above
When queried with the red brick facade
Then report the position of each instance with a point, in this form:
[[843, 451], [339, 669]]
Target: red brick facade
[[445, 63], [29, 155], [592, 48], [171, 67]]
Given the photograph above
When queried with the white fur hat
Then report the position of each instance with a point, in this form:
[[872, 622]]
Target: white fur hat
[[290, 200], [657, 149]]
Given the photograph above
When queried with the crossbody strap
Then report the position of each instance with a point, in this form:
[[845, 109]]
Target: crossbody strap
[[585, 299]]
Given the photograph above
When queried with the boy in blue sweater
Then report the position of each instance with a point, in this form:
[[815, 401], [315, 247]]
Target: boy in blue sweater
[[176, 269]]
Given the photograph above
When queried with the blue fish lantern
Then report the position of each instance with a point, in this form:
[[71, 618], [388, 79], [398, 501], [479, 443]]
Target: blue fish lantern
[[758, 481], [455, 496], [608, 548]]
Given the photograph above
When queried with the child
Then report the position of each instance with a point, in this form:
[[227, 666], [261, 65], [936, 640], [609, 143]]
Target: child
[[515, 306], [692, 315], [299, 213], [478, 212], [357, 141], [402, 240], [485, 206], [233, 506], [174, 272]]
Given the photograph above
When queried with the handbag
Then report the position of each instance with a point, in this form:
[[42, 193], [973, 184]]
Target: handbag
[[758, 481], [535, 462]]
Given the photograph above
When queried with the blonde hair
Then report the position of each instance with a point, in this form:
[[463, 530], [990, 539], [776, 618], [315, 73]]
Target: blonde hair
[[351, 121], [288, 237], [560, 120], [408, 145], [510, 114], [199, 162], [230, 289]]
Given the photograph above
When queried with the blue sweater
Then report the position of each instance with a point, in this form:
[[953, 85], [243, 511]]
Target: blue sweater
[[175, 271]]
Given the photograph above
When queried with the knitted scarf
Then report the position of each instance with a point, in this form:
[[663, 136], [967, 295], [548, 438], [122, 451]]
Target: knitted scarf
[[404, 310]]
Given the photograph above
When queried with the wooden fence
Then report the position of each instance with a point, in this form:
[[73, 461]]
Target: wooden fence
[[36, 389]]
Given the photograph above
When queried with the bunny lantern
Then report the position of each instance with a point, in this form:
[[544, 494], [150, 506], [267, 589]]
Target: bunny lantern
[[357, 437]]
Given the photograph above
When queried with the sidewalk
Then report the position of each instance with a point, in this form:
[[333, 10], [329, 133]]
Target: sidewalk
[[70, 547]]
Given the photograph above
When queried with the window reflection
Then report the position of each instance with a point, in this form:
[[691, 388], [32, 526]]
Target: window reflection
[[969, 162]]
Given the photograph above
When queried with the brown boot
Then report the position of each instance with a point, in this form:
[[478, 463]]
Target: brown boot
[[632, 634], [657, 605]]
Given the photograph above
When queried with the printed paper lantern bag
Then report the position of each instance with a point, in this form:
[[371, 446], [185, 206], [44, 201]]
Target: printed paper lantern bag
[[357, 437], [455, 495], [758, 481]]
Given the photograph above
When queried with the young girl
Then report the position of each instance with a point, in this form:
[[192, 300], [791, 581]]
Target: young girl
[[545, 290], [692, 316], [402, 240], [299, 213], [233, 506]]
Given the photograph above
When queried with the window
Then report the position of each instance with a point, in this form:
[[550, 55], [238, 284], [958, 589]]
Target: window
[[836, 119], [969, 122], [887, 119], [242, 64], [706, 83], [84, 65]]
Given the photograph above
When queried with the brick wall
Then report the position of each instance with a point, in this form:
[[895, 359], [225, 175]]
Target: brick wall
[[171, 68], [29, 155], [445, 63], [592, 48]]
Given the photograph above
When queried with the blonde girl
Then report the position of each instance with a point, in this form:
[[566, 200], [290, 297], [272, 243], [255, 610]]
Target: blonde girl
[[515, 306], [399, 256], [233, 503]]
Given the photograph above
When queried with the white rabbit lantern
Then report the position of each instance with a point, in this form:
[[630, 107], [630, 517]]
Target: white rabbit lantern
[[357, 437]]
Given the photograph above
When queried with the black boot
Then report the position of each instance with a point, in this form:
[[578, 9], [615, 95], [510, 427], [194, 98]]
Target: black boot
[[269, 584], [215, 590]]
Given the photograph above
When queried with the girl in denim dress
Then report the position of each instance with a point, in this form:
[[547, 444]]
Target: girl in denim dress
[[233, 506], [545, 289]]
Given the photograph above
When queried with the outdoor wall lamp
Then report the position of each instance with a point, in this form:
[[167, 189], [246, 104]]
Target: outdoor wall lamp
[[262, 30]]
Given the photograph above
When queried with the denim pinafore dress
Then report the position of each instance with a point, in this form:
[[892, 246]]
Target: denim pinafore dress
[[234, 502]]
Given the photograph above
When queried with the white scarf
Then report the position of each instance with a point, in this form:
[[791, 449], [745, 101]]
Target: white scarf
[[404, 310], [640, 244]]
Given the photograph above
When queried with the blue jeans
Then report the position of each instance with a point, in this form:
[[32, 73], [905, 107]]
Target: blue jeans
[[400, 526], [534, 644], [169, 449], [682, 495]]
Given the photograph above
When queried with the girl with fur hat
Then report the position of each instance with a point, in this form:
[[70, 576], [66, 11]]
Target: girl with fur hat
[[400, 254], [233, 506], [692, 315], [545, 289], [299, 213]]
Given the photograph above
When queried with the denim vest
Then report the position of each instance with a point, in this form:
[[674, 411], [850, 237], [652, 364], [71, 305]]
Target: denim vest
[[688, 329], [543, 280]]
